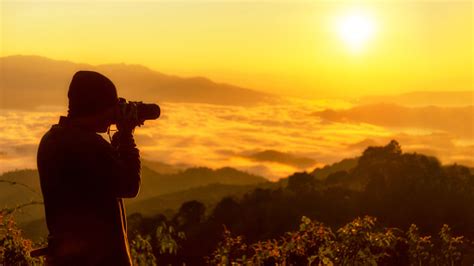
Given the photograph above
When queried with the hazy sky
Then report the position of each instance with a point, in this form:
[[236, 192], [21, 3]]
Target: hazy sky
[[304, 48]]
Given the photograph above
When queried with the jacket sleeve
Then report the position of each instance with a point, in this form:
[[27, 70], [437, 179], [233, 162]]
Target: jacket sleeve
[[116, 167], [128, 159]]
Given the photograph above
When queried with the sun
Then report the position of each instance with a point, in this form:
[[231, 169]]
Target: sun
[[356, 28]]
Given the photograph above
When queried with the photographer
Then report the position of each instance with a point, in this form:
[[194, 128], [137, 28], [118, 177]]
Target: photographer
[[84, 178]]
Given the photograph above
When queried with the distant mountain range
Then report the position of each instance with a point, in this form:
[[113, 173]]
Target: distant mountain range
[[457, 120], [424, 98], [32, 82], [154, 184]]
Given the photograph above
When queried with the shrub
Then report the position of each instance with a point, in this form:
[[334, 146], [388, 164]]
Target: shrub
[[360, 242], [14, 249]]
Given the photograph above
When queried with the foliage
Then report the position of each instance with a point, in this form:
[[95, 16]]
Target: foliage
[[14, 249], [451, 247], [313, 242], [231, 249], [167, 238], [142, 251], [360, 242], [420, 247]]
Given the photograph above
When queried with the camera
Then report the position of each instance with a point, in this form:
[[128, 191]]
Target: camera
[[137, 111]]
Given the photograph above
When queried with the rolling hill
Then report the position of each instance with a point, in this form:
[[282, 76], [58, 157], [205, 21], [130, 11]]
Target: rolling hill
[[169, 203], [22, 186]]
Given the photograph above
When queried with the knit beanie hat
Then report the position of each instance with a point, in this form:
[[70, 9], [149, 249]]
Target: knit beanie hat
[[90, 93]]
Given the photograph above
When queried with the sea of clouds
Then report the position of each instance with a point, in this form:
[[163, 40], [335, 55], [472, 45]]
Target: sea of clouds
[[268, 140]]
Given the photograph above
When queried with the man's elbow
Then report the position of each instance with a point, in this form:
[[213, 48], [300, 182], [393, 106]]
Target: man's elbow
[[132, 189]]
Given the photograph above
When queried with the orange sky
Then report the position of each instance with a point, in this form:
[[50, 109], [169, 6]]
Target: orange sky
[[288, 47]]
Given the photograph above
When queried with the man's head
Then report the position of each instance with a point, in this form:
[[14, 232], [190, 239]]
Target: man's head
[[92, 96]]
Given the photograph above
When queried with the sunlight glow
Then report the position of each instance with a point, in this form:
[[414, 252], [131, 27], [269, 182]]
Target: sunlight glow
[[355, 29]]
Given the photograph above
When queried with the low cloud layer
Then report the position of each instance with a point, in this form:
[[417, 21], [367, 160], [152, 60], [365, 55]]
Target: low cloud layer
[[269, 140], [281, 157]]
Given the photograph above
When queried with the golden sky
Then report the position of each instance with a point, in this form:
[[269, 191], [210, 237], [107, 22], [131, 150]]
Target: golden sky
[[288, 47]]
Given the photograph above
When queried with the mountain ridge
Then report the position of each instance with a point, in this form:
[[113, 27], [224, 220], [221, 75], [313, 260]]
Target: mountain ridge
[[457, 120], [29, 82], [424, 98]]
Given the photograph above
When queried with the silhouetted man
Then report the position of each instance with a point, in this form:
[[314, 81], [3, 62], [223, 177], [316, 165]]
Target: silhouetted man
[[84, 177]]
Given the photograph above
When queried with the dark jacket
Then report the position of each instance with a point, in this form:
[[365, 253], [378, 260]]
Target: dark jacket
[[83, 180]]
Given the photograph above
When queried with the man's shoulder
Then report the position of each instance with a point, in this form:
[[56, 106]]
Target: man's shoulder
[[71, 136]]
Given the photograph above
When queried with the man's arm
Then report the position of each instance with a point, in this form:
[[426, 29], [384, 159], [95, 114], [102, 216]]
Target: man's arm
[[112, 170], [97, 168], [126, 174]]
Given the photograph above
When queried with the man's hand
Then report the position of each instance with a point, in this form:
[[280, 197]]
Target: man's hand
[[127, 118]]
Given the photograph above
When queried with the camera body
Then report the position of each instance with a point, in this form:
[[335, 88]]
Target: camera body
[[136, 112]]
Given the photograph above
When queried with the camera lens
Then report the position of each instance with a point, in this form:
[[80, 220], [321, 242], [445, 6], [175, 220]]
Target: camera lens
[[148, 111]]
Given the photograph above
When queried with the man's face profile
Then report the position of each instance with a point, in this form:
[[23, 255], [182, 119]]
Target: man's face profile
[[105, 119]]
